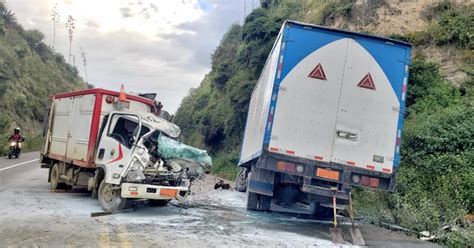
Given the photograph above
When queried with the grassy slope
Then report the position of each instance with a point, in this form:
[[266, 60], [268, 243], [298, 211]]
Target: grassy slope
[[30, 71], [437, 173]]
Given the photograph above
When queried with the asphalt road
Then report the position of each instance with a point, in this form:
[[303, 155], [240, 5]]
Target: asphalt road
[[32, 216]]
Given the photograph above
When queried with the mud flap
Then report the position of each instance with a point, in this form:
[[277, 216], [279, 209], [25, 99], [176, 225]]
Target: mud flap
[[261, 181]]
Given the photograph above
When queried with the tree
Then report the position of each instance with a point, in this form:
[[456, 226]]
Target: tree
[[84, 62], [70, 29], [54, 19]]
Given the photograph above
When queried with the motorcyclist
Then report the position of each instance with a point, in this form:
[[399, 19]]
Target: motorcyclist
[[16, 136]]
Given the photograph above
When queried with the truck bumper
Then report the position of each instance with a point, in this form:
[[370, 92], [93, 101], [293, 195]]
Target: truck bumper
[[153, 192]]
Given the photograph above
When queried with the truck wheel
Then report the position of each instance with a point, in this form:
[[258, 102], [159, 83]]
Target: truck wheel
[[258, 202], [158, 203], [317, 210], [264, 202], [252, 201], [109, 197], [241, 180], [54, 178]]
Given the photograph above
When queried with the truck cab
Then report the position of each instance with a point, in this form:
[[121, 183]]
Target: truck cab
[[127, 156], [117, 146]]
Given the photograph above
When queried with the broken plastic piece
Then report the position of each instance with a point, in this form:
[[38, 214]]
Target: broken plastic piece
[[169, 149]]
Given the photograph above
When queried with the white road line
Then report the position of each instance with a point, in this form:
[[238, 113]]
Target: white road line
[[13, 166]]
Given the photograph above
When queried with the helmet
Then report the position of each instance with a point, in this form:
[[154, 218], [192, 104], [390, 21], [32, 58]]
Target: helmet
[[17, 129]]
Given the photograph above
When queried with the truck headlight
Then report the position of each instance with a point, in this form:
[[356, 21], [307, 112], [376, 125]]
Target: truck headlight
[[135, 176]]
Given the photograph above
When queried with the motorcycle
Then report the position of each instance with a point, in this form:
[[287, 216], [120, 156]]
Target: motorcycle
[[14, 149]]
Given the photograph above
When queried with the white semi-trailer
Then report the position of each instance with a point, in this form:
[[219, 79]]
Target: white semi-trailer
[[115, 144], [326, 114]]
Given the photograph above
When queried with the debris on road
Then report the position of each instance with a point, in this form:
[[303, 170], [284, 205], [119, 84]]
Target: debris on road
[[222, 184], [125, 210]]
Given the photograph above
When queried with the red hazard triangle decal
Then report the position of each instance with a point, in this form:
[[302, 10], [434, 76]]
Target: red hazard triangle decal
[[318, 73], [367, 82]]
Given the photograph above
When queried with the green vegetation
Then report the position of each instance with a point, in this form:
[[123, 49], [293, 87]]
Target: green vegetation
[[30, 71], [436, 177], [213, 116]]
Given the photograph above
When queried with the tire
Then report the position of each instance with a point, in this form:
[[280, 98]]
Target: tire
[[317, 210], [252, 201], [241, 180], [54, 179], [264, 203], [258, 202], [110, 199], [158, 203], [9, 155]]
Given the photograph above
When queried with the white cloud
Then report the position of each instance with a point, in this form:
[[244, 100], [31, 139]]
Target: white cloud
[[161, 46]]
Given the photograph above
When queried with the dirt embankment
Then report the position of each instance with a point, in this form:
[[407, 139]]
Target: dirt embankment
[[388, 17]]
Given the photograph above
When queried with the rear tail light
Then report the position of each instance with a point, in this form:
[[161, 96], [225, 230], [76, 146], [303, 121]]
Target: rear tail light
[[285, 166], [372, 182]]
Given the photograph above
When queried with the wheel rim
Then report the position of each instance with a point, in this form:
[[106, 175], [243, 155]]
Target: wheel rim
[[108, 195], [242, 177]]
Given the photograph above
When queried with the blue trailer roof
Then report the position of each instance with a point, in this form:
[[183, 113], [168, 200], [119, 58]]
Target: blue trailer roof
[[307, 25]]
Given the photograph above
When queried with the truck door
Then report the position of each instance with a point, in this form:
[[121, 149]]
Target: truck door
[[116, 144], [367, 117]]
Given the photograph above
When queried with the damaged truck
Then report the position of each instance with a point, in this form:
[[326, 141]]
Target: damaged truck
[[117, 146], [326, 115]]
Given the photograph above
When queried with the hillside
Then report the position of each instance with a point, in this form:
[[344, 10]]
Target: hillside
[[30, 71], [437, 171]]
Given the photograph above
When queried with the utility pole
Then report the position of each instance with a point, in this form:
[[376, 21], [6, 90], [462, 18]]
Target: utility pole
[[243, 22], [70, 29], [84, 61], [54, 19]]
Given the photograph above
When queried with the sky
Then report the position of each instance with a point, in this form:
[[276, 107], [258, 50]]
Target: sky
[[161, 46]]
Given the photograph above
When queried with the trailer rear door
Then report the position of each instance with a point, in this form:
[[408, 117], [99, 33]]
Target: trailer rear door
[[368, 112], [308, 97]]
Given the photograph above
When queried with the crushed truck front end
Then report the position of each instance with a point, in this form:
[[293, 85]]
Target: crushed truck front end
[[326, 114], [141, 159], [110, 142]]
